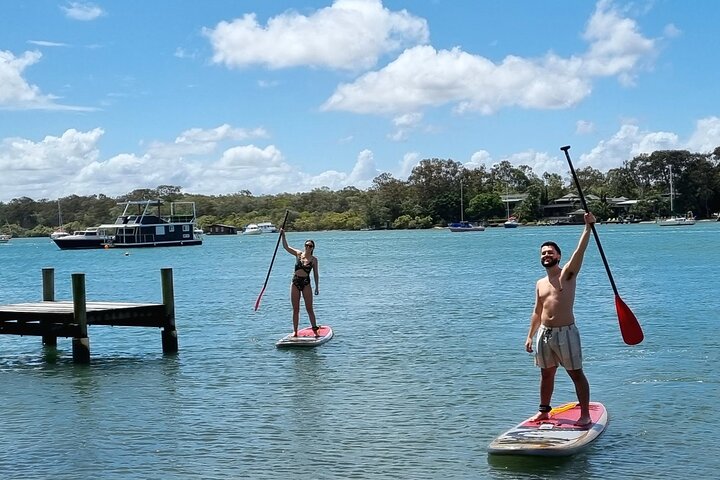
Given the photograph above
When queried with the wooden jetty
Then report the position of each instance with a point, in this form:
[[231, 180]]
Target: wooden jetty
[[51, 319]]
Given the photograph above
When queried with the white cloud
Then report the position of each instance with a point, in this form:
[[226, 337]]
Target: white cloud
[[628, 142], [82, 11], [424, 77], [404, 124], [45, 43], [41, 169], [478, 159], [73, 164], [198, 141], [350, 34], [364, 170], [583, 127], [409, 161], [706, 137], [616, 46], [16, 93], [672, 31], [14, 89]]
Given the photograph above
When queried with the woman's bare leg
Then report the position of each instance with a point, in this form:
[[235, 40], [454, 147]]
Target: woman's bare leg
[[308, 298], [295, 300]]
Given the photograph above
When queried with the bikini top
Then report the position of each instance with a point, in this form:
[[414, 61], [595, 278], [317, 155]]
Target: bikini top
[[299, 265]]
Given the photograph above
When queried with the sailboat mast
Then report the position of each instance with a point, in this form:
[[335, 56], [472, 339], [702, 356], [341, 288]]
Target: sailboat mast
[[462, 207], [507, 199], [672, 193]]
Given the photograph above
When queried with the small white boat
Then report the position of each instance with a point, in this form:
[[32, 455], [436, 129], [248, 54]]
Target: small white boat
[[5, 238], [59, 233], [674, 221], [465, 226], [511, 223], [252, 229], [82, 239], [267, 227]]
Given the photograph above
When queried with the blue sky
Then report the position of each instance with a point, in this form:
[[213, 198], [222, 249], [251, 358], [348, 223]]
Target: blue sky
[[277, 96]]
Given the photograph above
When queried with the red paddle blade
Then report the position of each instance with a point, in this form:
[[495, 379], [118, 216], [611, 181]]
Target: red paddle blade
[[630, 329], [257, 302]]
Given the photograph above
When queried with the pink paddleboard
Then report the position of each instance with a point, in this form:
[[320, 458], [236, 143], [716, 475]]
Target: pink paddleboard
[[306, 337], [555, 436]]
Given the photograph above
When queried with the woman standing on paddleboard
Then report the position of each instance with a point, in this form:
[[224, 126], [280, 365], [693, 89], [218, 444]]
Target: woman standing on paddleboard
[[305, 262]]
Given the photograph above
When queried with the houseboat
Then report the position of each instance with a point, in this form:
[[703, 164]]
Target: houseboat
[[145, 223]]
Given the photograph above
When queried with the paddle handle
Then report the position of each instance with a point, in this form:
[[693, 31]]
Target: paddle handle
[[267, 277], [585, 207]]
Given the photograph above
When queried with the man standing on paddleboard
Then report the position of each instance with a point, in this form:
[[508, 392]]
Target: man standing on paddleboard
[[558, 341]]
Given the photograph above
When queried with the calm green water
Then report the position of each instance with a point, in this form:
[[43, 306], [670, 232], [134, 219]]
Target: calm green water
[[427, 365]]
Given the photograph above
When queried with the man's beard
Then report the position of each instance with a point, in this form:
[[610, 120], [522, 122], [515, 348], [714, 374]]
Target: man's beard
[[549, 264]]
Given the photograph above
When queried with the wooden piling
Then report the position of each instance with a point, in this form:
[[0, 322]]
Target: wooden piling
[[80, 343], [169, 333], [48, 295]]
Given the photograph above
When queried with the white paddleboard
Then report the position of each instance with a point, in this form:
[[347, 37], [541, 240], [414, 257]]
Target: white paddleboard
[[306, 338], [555, 436]]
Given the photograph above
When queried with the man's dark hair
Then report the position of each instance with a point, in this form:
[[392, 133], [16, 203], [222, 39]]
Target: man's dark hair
[[551, 244]]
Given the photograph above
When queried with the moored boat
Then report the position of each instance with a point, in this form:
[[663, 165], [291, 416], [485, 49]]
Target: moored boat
[[252, 229], [143, 223], [84, 239], [267, 227], [674, 220], [465, 226], [60, 232], [511, 223]]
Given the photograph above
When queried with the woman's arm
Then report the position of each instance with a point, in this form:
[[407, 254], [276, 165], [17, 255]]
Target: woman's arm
[[287, 247], [316, 274]]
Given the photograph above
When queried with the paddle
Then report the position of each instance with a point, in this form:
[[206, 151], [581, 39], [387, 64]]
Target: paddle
[[630, 329], [257, 302]]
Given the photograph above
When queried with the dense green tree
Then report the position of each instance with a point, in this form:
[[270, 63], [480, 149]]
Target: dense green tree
[[436, 184], [486, 205]]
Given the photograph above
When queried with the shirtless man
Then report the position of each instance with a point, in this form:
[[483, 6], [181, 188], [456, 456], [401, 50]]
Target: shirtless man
[[558, 339]]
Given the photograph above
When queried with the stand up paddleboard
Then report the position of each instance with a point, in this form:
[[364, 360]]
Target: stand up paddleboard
[[555, 436], [306, 338]]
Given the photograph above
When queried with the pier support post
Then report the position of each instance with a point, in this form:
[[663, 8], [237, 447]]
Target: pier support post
[[48, 295], [169, 333], [80, 343]]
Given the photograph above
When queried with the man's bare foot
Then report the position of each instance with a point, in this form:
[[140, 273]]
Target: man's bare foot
[[294, 334], [583, 421], [539, 416]]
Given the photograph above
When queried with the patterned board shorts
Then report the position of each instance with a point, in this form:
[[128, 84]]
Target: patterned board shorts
[[558, 346]]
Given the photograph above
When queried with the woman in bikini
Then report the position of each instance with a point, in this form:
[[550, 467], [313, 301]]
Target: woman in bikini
[[305, 263]]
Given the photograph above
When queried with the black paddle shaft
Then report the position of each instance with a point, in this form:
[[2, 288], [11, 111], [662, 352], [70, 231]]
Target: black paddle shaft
[[267, 277], [585, 207]]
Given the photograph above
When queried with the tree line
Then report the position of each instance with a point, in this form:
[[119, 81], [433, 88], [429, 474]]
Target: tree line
[[429, 196]]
